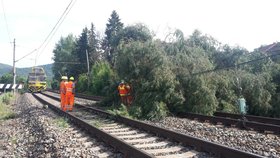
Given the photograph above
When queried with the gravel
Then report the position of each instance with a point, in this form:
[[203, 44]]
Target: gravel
[[38, 132], [263, 144], [77, 100], [267, 145]]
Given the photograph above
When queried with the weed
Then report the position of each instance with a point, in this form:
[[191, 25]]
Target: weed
[[122, 111], [61, 122], [14, 140], [6, 111], [96, 123]]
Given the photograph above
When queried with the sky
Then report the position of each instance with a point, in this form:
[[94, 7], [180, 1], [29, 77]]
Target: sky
[[246, 23]]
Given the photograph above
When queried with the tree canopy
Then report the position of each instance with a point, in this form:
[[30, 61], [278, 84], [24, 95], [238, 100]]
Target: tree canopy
[[180, 73]]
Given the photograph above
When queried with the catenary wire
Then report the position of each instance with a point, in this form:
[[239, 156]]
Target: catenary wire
[[63, 18], [6, 22], [35, 50], [233, 66]]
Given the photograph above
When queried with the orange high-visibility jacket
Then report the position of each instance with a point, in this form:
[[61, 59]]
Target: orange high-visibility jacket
[[69, 88], [62, 87], [122, 90]]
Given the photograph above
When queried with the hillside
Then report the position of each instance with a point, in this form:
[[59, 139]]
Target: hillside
[[4, 68]]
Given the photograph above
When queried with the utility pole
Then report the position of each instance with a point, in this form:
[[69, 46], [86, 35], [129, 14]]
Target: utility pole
[[87, 66], [14, 62]]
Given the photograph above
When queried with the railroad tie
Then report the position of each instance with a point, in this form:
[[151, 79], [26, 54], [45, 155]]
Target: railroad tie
[[188, 154]]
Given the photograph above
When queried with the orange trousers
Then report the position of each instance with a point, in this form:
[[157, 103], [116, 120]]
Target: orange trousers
[[69, 102], [72, 100], [62, 101]]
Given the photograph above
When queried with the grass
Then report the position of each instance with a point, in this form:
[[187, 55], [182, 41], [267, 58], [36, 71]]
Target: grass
[[14, 140], [61, 122], [6, 111], [122, 111], [96, 123]]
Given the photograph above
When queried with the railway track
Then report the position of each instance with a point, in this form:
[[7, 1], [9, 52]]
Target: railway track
[[235, 122], [257, 123], [266, 120], [80, 95], [138, 139]]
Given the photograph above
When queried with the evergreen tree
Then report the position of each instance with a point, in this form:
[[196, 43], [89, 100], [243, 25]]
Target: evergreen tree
[[93, 46], [137, 32], [109, 44], [81, 48], [6, 78], [64, 57]]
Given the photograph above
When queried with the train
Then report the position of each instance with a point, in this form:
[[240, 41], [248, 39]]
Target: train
[[36, 81]]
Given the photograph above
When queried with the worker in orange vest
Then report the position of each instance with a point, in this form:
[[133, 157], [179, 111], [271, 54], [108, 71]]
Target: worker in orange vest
[[72, 98], [123, 92], [62, 91], [68, 95]]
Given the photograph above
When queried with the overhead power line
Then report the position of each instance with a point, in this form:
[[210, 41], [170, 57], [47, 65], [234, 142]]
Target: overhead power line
[[235, 65], [69, 62], [52, 32], [57, 25], [6, 22], [26, 55], [57, 28]]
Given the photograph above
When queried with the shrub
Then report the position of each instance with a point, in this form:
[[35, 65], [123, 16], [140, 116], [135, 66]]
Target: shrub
[[6, 111]]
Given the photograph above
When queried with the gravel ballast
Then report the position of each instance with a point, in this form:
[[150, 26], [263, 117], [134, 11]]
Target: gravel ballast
[[267, 145], [263, 144], [38, 132]]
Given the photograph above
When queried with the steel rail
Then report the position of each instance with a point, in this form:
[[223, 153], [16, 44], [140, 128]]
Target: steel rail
[[199, 144], [267, 120], [119, 145], [80, 95], [236, 122]]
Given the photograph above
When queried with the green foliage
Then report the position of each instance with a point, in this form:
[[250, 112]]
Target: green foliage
[[6, 111], [228, 56], [205, 42], [6, 98], [94, 52], [23, 72], [258, 89], [80, 52], [6, 78], [5, 69], [158, 111], [101, 78], [166, 75], [121, 110], [137, 32], [64, 57], [55, 84], [96, 122], [275, 110], [135, 112], [200, 96], [109, 43], [82, 84], [226, 91], [145, 66], [21, 79], [61, 122]]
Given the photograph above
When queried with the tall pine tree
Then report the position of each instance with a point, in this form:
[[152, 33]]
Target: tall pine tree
[[94, 45], [81, 48], [109, 44]]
